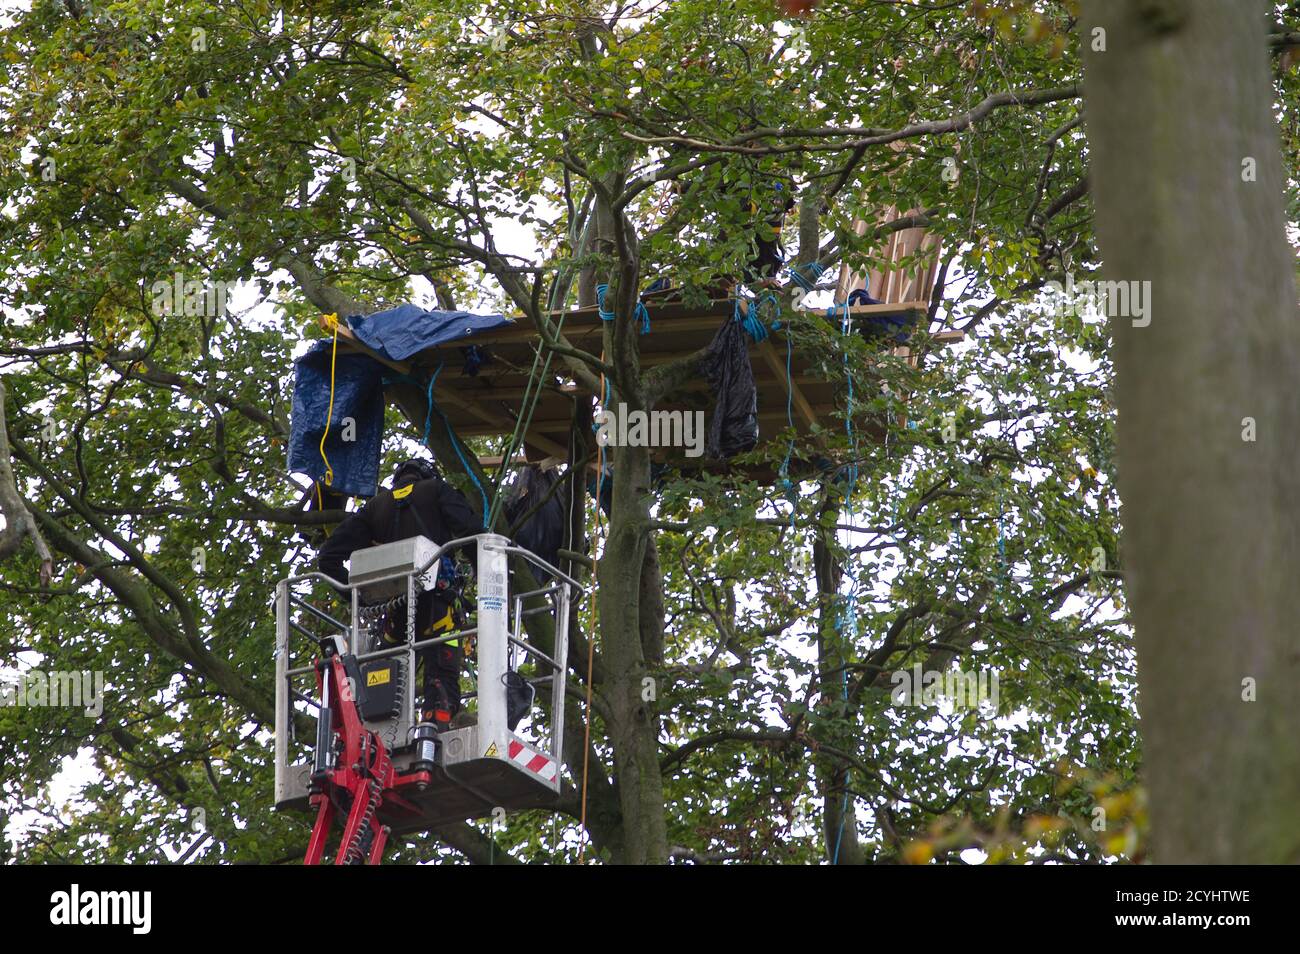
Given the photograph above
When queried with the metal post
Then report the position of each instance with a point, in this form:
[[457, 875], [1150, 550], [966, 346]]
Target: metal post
[[354, 624], [493, 599], [283, 709], [409, 717], [563, 597], [324, 725]]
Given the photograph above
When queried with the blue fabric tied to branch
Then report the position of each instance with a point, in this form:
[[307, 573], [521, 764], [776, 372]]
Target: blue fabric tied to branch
[[408, 329], [359, 395], [893, 327], [396, 334]]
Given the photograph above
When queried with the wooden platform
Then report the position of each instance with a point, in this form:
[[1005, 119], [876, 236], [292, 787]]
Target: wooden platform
[[488, 404]]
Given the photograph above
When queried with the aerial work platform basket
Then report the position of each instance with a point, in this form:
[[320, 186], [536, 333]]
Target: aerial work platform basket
[[346, 701]]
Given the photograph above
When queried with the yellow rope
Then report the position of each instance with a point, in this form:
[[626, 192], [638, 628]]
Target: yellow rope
[[586, 734], [333, 322]]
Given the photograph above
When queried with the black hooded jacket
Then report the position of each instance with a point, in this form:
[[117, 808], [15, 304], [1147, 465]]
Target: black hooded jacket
[[443, 514]]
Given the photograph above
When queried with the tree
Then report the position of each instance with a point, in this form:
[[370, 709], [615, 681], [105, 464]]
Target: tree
[[1189, 181], [962, 518]]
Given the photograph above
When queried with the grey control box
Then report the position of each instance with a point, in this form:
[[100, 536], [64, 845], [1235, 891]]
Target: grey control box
[[371, 566]]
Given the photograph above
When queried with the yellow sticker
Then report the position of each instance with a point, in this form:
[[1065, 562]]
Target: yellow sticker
[[378, 677], [492, 751], [401, 492]]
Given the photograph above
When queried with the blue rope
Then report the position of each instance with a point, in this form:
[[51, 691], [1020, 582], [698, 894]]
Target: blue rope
[[844, 806], [799, 278], [604, 403], [601, 289], [641, 313], [752, 324], [849, 614], [789, 411], [455, 444], [846, 327], [786, 483], [428, 414], [769, 299]]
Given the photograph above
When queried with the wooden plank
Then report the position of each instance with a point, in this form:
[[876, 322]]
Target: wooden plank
[[500, 424], [796, 396], [558, 426], [883, 308]]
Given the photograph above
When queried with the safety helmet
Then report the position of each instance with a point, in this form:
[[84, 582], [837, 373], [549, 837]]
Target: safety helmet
[[421, 469]]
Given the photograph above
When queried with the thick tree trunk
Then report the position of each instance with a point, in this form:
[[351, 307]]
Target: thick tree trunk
[[1179, 116], [839, 825], [18, 522], [652, 606], [632, 729]]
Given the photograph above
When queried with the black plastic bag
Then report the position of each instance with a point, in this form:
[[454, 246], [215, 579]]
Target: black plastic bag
[[543, 531], [733, 428], [519, 698]]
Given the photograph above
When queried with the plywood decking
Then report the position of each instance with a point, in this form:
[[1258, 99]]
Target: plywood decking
[[488, 404]]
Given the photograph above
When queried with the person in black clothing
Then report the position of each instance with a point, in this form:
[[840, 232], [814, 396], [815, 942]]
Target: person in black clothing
[[420, 503], [767, 217]]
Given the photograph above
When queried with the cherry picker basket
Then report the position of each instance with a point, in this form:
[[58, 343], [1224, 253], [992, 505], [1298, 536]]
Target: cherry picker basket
[[459, 774]]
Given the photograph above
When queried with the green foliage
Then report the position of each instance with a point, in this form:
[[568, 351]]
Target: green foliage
[[307, 132]]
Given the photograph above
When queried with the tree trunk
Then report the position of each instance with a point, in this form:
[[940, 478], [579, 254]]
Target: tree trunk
[[839, 818], [633, 733], [1179, 114], [652, 605]]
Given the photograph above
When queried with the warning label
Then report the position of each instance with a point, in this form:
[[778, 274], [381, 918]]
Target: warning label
[[491, 751]]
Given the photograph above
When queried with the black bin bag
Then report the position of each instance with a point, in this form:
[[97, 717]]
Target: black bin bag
[[733, 426], [543, 531], [519, 698]]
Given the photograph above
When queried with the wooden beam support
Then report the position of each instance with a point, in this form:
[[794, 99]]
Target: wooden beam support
[[885, 308], [791, 389]]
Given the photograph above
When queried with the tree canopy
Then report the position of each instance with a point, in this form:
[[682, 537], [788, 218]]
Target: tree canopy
[[960, 514]]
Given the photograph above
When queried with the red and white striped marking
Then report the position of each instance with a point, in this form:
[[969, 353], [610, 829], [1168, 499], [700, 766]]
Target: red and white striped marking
[[541, 766]]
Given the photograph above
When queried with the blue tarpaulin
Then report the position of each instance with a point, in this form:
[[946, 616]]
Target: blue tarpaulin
[[359, 395], [896, 327], [402, 331], [359, 391]]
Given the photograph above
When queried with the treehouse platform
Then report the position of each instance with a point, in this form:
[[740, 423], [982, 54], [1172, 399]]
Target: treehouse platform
[[487, 400]]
